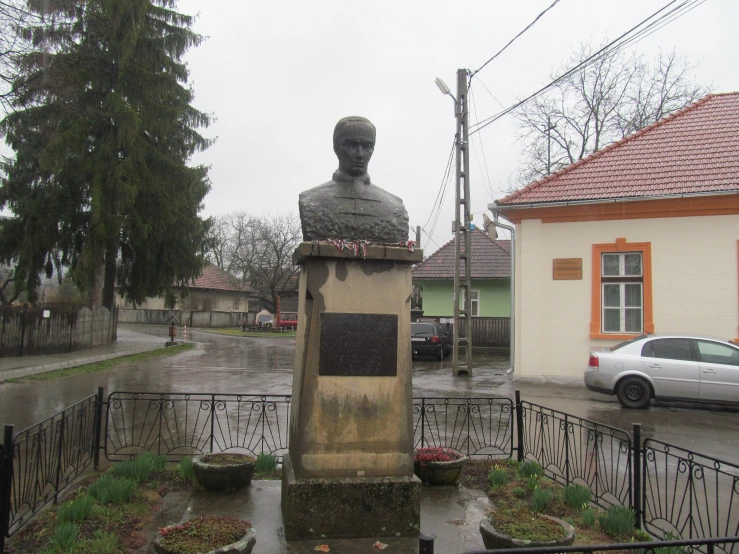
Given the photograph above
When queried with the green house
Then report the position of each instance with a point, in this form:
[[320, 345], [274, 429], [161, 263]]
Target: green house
[[491, 278]]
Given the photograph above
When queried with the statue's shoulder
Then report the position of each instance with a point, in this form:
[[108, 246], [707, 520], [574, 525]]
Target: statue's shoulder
[[319, 190], [388, 196]]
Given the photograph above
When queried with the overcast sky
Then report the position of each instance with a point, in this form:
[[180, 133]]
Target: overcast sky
[[278, 75]]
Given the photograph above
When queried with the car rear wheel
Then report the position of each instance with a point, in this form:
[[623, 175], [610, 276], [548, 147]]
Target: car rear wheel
[[440, 355], [634, 392]]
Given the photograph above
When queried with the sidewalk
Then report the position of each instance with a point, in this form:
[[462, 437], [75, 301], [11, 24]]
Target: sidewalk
[[128, 343]]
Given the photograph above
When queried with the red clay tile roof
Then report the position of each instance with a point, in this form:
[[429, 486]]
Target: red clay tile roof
[[214, 278], [491, 259], [694, 150]]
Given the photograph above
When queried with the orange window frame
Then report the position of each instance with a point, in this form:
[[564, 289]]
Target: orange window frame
[[596, 310]]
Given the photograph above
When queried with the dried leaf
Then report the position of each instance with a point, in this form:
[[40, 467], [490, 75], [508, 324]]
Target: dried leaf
[[322, 548], [380, 545]]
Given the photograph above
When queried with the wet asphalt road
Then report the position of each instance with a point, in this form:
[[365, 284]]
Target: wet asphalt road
[[227, 364]]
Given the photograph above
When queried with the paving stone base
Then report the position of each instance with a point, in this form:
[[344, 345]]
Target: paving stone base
[[346, 508]]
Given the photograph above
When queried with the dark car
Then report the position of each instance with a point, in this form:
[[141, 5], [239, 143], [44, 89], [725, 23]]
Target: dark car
[[429, 338]]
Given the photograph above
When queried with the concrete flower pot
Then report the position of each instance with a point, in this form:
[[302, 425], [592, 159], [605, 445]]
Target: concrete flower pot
[[242, 546], [494, 539], [440, 473], [221, 472]]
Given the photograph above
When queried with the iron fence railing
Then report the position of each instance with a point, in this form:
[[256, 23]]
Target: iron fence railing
[[474, 426], [687, 494], [186, 424], [571, 449], [44, 459], [714, 545]]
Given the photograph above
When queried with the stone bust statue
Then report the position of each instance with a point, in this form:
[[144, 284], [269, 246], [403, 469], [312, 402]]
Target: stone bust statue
[[349, 206]]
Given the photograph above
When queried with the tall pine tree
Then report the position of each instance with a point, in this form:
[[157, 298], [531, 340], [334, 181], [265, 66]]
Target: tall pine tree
[[103, 130]]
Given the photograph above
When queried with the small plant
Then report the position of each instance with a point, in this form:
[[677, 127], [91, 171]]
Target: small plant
[[532, 482], [75, 511], [186, 470], [618, 521], [576, 496], [65, 537], [530, 469], [429, 454], [587, 517], [140, 468], [266, 463], [202, 534], [112, 490], [540, 500], [519, 492], [497, 477], [513, 463], [668, 549], [100, 543]]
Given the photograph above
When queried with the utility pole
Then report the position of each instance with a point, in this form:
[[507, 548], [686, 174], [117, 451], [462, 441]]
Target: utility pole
[[462, 232]]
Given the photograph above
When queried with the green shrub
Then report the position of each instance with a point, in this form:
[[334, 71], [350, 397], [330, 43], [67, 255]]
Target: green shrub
[[530, 469], [532, 483], [497, 477], [266, 463], [669, 549], [75, 511], [540, 500], [576, 496], [519, 492], [140, 468], [112, 490], [513, 463], [65, 537], [186, 470], [587, 517], [618, 521]]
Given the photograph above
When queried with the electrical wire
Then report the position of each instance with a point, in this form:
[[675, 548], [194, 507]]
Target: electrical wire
[[441, 186], [612, 47], [486, 173], [499, 52]]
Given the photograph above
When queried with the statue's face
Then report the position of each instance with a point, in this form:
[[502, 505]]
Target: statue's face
[[355, 147]]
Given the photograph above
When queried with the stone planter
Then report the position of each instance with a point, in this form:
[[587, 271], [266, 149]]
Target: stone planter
[[220, 475], [242, 546], [495, 540], [439, 474]]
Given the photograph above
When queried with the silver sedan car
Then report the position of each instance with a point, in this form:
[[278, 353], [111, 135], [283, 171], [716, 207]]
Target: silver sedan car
[[666, 367]]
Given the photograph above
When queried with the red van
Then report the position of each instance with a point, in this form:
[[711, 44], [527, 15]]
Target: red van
[[288, 321]]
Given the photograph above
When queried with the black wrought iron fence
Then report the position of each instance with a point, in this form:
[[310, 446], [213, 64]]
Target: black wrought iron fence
[[40, 462], [571, 449], [474, 426], [186, 424], [728, 545], [687, 494]]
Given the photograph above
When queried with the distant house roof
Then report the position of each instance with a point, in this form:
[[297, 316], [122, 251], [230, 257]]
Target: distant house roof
[[694, 150], [215, 278], [491, 259]]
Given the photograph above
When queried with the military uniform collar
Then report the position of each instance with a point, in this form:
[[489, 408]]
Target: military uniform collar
[[342, 177]]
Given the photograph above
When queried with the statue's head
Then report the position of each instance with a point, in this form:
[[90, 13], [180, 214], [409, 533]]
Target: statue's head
[[354, 142]]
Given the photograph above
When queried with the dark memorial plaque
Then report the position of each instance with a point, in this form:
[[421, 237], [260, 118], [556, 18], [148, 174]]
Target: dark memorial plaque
[[359, 345]]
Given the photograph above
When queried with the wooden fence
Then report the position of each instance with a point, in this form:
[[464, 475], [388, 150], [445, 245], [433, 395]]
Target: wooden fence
[[181, 317], [38, 331], [487, 332]]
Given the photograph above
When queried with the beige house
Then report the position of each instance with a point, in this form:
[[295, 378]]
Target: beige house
[[214, 291], [640, 237]]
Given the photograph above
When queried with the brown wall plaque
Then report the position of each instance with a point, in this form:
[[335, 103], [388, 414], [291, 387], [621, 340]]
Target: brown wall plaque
[[567, 269], [359, 345]]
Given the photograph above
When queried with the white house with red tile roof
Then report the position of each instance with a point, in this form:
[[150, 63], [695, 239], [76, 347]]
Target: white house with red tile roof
[[641, 236], [215, 290]]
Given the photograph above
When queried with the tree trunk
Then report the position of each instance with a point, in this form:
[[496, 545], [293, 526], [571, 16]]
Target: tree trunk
[[96, 292], [111, 256]]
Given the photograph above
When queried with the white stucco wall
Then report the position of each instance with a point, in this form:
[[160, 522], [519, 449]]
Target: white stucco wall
[[694, 285]]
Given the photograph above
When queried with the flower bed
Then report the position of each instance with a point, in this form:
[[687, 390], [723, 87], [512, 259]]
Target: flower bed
[[206, 534]]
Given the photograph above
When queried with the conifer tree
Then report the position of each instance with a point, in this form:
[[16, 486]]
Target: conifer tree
[[103, 130]]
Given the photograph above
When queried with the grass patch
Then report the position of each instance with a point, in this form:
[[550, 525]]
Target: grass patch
[[64, 538], [112, 490], [618, 521], [266, 463], [186, 470], [75, 511], [576, 496], [140, 468], [240, 333], [106, 364], [497, 478]]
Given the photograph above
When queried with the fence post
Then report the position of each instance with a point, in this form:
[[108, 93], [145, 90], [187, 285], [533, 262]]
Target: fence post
[[423, 422], [636, 470], [567, 451], [426, 543], [98, 427], [59, 451], [212, 419], [23, 328], [6, 480], [519, 426]]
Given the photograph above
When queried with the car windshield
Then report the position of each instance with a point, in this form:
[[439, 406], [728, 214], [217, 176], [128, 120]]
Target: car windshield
[[422, 329], [264, 318], [626, 343]]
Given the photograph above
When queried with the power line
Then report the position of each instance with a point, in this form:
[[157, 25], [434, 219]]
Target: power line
[[441, 186], [486, 173], [685, 7], [499, 52]]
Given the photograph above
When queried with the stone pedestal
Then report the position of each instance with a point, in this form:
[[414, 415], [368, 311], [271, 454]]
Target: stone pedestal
[[351, 428]]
